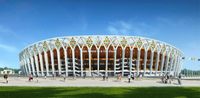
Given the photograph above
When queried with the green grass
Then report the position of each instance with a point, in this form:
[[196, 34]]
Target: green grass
[[100, 92]]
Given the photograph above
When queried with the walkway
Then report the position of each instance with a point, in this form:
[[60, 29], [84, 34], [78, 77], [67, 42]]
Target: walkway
[[90, 82]]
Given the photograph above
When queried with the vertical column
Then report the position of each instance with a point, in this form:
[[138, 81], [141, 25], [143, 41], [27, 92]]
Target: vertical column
[[175, 63], [46, 63], [130, 63], [152, 55], [66, 62], [32, 64], [98, 60], [23, 69], [175, 70], [89, 50], [123, 54], [52, 61], [106, 61], [23, 66], [179, 66], [27, 59], [138, 61], [145, 61], [171, 62], [81, 54], [166, 64], [115, 61], [41, 63], [162, 63], [36, 62], [157, 62], [26, 70], [58, 58], [73, 59]]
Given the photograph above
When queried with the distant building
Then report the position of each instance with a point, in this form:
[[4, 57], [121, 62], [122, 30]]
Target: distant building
[[8, 71]]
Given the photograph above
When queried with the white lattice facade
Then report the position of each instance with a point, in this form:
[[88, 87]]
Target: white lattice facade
[[100, 55]]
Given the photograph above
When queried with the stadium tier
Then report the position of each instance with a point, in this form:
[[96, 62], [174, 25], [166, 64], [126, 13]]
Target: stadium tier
[[98, 55]]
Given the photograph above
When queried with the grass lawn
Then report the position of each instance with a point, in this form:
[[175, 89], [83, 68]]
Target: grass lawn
[[100, 92]]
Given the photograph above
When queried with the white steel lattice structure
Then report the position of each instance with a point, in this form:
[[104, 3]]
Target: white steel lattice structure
[[98, 55]]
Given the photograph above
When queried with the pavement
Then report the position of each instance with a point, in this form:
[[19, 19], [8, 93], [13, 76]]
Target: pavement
[[94, 82]]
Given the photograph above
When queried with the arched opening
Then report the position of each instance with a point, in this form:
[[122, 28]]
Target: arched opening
[[102, 58], [148, 65], [94, 59], [49, 61], [165, 61], [135, 52], [160, 62], [77, 61], [55, 61], [43, 62], [127, 61], [85, 59], [154, 61], [119, 60], [142, 54], [62, 60], [111, 61], [39, 64], [70, 61]]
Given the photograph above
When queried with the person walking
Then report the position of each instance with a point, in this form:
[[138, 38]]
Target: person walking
[[129, 78], [120, 77], [132, 76], [37, 78], [84, 76], [53, 76], [170, 79], [45, 76], [179, 79], [64, 78], [30, 77], [167, 80], [103, 77], [162, 79], [106, 77], [6, 78]]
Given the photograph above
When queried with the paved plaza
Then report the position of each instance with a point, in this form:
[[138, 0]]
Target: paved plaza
[[93, 82]]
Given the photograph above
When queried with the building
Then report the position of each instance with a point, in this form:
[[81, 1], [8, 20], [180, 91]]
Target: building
[[99, 55], [8, 71]]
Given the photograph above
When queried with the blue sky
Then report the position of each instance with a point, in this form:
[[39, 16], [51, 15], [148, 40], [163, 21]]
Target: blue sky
[[23, 22]]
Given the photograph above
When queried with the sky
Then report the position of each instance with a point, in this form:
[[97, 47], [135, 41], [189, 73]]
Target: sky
[[23, 22]]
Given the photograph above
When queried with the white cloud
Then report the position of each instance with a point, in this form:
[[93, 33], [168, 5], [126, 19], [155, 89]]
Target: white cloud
[[7, 48], [8, 32], [120, 28], [5, 30], [128, 28], [113, 30]]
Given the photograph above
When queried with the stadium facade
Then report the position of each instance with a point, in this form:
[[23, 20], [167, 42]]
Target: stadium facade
[[97, 55]]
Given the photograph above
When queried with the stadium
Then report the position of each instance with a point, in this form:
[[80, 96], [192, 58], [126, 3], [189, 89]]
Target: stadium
[[99, 55]]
